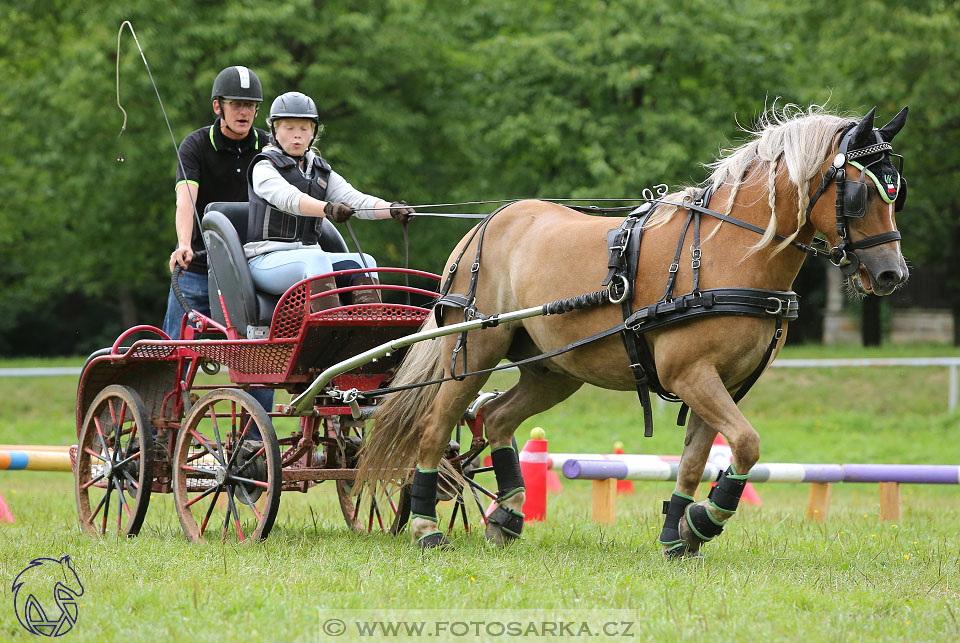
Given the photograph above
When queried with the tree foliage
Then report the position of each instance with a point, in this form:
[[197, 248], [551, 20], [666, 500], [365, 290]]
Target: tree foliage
[[425, 101]]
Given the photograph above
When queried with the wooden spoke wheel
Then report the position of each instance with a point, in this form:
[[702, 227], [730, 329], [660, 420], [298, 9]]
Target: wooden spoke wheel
[[379, 510], [226, 469], [114, 464]]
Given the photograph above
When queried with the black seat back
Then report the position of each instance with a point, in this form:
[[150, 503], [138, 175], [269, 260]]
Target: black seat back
[[225, 234], [229, 274]]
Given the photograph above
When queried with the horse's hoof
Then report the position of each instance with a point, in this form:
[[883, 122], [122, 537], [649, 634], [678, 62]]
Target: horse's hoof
[[692, 542], [497, 536], [504, 525], [697, 527], [674, 552], [436, 540]]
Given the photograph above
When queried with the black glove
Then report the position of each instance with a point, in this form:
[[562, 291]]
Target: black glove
[[338, 212], [400, 211]]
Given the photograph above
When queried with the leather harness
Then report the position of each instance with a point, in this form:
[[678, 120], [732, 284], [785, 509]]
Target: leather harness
[[624, 249]]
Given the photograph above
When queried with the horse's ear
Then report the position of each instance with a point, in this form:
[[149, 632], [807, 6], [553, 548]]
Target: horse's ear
[[862, 134], [891, 129]]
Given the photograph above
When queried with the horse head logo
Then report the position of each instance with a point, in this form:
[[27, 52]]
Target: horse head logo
[[45, 596]]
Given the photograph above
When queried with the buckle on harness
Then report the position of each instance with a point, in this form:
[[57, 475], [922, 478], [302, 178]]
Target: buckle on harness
[[475, 267], [779, 308], [674, 267], [625, 286]]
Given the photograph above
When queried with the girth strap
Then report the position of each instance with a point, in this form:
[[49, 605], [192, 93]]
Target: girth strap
[[624, 246]]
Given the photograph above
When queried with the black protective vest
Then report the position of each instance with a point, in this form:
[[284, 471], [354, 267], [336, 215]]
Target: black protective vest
[[266, 222]]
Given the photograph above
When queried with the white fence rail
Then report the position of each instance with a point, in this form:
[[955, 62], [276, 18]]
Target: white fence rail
[[952, 363]]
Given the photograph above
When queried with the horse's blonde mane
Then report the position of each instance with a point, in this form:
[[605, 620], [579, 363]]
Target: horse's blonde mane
[[792, 137]]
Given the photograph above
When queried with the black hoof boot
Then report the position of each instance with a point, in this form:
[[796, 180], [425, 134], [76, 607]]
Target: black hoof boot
[[504, 525], [435, 540]]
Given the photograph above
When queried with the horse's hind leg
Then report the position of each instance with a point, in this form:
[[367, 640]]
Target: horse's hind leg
[[537, 390], [448, 407]]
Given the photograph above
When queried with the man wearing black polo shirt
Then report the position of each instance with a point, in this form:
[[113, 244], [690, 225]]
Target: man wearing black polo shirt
[[215, 160]]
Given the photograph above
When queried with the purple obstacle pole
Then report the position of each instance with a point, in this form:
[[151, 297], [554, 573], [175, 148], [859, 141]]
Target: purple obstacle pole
[[654, 469], [594, 469], [904, 473]]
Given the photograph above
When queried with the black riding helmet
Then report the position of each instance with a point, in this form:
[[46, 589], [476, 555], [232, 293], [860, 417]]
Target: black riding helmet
[[294, 105], [237, 83]]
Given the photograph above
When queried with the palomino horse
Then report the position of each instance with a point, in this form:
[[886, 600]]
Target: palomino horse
[[770, 188]]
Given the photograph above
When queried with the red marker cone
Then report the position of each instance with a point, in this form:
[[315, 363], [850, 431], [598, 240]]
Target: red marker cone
[[533, 466], [722, 456], [5, 514], [624, 487]]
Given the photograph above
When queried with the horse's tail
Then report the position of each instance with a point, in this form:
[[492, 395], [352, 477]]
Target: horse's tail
[[391, 447]]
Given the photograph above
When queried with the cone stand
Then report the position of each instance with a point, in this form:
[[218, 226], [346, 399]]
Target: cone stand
[[624, 487]]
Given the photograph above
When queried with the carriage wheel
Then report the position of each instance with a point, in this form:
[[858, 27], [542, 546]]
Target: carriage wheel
[[381, 511], [227, 485], [114, 463]]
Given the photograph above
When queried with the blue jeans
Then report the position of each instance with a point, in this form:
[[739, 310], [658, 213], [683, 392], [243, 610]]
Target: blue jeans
[[195, 290], [274, 272]]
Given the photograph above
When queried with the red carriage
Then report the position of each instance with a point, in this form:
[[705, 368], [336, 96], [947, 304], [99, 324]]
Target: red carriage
[[147, 422]]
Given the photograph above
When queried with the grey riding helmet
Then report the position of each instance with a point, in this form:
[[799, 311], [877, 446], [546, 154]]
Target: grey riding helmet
[[237, 83], [294, 105]]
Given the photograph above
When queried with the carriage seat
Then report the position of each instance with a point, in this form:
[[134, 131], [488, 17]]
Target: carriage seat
[[224, 233]]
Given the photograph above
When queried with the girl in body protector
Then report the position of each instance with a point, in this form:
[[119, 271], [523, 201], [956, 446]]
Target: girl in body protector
[[290, 188]]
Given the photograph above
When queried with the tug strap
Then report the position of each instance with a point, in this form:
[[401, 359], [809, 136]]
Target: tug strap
[[726, 495], [506, 466], [423, 494], [509, 520], [673, 510]]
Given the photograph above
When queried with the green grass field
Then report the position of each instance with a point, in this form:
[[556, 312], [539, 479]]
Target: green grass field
[[771, 575]]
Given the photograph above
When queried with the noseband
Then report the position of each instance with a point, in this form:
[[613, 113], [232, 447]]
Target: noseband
[[852, 200]]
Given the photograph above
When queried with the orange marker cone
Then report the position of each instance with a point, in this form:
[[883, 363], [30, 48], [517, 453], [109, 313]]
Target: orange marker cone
[[533, 466], [5, 514], [722, 456], [624, 487], [553, 482]]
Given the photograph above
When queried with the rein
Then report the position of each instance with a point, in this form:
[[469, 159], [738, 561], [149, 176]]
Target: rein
[[624, 244]]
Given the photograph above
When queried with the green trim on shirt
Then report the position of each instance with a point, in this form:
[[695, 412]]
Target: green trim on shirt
[[188, 182]]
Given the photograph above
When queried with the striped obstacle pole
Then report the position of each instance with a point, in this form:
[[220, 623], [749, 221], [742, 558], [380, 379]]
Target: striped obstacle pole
[[24, 460], [819, 476]]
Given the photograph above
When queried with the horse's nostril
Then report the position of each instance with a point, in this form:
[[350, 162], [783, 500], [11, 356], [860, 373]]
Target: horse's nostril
[[889, 278]]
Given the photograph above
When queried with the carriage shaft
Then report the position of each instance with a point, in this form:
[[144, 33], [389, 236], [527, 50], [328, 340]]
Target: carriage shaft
[[304, 402]]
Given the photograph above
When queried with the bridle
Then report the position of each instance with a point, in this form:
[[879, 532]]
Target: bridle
[[852, 197]]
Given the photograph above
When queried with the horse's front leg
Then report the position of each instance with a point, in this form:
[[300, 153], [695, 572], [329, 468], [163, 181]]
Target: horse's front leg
[[689, 524], [696, 450]]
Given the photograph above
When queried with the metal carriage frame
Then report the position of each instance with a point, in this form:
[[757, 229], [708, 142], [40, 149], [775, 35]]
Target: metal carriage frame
[[146, 425]]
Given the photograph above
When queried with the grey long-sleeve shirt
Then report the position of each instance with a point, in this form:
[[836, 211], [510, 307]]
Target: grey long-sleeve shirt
[[268, 183]]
